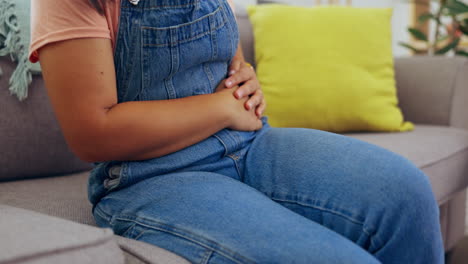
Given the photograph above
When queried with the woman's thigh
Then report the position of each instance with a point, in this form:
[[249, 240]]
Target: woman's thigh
[[210, 218], [364, 192]]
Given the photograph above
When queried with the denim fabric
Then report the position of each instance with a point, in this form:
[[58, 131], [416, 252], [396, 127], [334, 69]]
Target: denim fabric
[[277, 195]]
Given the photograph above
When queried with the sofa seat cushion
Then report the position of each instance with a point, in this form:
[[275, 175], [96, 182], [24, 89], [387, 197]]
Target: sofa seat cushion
[[64, 197], [441, 152], [29, 237]]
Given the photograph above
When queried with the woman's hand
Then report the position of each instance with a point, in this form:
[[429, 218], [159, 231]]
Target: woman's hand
[[243, 75], [238, 117]]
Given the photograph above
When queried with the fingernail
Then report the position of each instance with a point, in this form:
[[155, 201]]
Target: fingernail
[[229, 83], [232, 72], [239, 95]]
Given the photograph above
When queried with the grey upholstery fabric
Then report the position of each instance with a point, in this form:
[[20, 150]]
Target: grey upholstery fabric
[[441, 152], [459, 106], [147, 253], [433, 90], [31, 141], [29, 237], [246, 33], [452, 219], [64, 197]]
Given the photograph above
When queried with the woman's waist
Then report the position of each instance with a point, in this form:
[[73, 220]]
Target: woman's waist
[[111, 175]]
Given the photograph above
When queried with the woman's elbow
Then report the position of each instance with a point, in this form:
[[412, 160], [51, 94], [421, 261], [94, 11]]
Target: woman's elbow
[[89, 146]]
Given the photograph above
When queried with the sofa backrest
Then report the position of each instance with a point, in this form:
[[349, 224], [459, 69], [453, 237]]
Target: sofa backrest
[[31, 142], [246, 34]]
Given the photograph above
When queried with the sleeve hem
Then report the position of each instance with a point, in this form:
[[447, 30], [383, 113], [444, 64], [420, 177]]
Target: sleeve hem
[[73, 33]]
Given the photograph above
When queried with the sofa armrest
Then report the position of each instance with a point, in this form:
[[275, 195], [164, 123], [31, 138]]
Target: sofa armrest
[[433, 90], [30, 237]]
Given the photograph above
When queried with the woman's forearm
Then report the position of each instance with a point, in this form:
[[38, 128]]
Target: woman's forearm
[[148, 129]]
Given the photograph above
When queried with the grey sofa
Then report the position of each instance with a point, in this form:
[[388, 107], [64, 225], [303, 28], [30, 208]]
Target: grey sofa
[[39, 173]]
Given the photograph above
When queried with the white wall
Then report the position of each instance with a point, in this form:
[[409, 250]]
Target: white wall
[[401, 17]]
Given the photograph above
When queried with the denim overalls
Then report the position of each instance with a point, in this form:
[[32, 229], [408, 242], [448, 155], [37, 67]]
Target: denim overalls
[[277, 195], [170, 49]]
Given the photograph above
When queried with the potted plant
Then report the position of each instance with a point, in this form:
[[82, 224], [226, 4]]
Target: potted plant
[[451, 26]]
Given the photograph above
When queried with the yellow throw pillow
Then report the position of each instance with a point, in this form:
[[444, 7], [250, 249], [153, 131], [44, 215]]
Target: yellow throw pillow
[[327, 68]]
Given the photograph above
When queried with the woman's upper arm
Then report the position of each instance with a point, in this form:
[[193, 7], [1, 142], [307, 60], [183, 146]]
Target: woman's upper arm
[[80, 80]]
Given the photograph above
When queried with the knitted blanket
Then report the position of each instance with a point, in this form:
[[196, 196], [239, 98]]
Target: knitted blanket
[[14, 42]]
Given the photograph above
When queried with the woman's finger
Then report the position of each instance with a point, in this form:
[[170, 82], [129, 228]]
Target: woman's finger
[[247, 89], [243, 75], [261, 109], [234, 67], [255, 100]]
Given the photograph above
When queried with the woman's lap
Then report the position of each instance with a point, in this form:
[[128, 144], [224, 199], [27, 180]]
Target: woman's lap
[[210, 218], [372, 196], [291, 176]]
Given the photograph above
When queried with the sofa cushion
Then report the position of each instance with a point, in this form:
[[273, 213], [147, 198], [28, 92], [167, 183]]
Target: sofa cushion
[[64, 197], [29, 237], [441, 152], [141, 252], [31, 141], [363, 98]]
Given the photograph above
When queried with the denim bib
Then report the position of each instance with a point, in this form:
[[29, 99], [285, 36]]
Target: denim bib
[[168, 49]]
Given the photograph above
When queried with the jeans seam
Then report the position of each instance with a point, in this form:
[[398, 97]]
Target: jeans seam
[[335, 212], [207, 257], [163, 6], [371, 234], [237, 166], [123, 174], [224, 144], [189, 39], [160, 227], [102, 214]]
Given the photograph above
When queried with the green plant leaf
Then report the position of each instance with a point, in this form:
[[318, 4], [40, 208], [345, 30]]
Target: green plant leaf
[[425, 17], [442, 38], [410, 47], [448, 47], [464, 30], [462, 53], [418, 34], [456, 7]]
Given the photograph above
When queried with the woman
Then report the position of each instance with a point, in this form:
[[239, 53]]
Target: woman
[[157, 94]]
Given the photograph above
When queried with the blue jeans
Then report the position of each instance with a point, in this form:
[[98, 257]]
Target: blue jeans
[[277, 195]]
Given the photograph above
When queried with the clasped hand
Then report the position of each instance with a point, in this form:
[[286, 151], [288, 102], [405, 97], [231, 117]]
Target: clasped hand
[[242, 98], [243, 78]]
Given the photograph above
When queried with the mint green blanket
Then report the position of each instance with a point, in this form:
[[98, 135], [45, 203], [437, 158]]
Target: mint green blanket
[[14, 42]]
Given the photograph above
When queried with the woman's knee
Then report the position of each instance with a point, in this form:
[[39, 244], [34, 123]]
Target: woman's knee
[[403, 191]]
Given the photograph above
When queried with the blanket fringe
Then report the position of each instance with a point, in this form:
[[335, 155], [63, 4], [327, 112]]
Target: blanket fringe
[[9, 35]]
